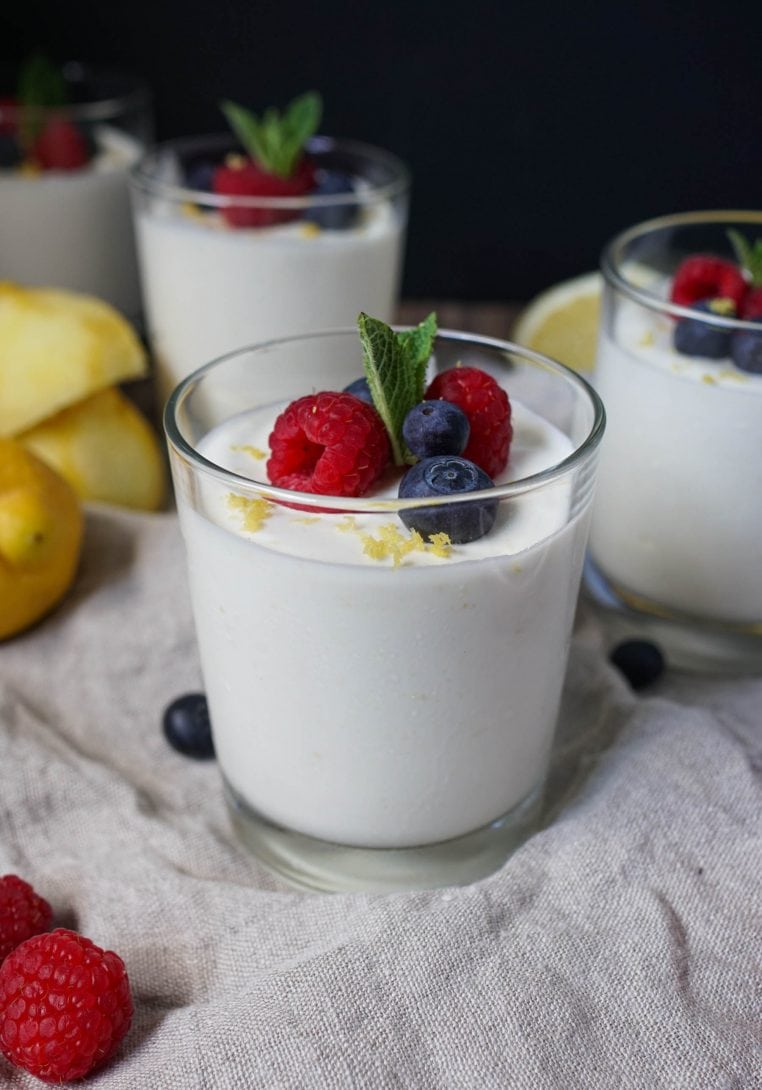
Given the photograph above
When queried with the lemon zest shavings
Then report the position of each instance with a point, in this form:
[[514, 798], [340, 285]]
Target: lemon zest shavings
[[255, 452], [309, 230], [391, 544], [255, 512]]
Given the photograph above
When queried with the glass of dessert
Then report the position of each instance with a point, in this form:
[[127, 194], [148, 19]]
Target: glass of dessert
[[68, 137], [267, 231], [675, 540], [384, 572]]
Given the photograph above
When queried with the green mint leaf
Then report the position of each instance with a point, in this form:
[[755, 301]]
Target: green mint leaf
[[748, 257], [40, 84], [276, 142], [395, 367]]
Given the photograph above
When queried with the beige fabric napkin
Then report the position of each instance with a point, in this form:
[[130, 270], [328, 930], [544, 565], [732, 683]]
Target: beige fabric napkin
[[620, 947]]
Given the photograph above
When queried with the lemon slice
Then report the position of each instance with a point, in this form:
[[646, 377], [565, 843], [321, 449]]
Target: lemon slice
[[105, 449], [562, 322], [57, 347], [40, 538]]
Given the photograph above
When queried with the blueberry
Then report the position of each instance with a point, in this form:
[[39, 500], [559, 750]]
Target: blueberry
[[447, 475], [361, 389], [693, 337], [187, 727], [9, 151], [641, 662], [333, 217], [436, 427], [199, 174], [746, 349]]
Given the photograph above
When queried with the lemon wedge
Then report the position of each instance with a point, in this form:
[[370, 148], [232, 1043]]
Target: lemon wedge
[[562, 322], [40, 538], [57, 347]]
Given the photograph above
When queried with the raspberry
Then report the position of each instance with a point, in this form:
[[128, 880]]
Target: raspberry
[[22, 913], [60, 146], [488, 409], [65, 1005], [331, 444], [752, 305], [704, 277], [241, 177]]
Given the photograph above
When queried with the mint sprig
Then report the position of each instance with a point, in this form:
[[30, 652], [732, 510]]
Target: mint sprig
[[276, 140], [748, 256], [40, 85], [395, 367]]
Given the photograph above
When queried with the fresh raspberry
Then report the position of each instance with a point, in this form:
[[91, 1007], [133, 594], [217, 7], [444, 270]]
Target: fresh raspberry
[[241, 177], [704, 277], [8, 115], [488, 409], [65, 1005], [332, 444], [752, 304], [60, 146], [22, 913]]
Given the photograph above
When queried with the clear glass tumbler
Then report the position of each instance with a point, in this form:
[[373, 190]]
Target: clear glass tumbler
[[70, 227], [676, 538], [221, 271], [382, 714]]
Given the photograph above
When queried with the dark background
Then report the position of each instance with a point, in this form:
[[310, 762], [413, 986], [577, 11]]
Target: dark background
[[534, 131]]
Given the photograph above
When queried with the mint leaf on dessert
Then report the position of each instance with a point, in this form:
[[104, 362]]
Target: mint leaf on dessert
[[40, 85], [749, 257], [276, 141], [395, 367]]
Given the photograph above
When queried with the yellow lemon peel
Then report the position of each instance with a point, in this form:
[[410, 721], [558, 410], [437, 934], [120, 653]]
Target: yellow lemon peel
[[254, 512]]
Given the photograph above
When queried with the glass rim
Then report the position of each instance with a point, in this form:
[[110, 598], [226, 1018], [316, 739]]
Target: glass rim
[[99, 109], [142, 180], [611, 261], [388, 505]]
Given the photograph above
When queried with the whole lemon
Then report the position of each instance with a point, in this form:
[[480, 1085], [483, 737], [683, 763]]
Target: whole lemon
[[40, 538]]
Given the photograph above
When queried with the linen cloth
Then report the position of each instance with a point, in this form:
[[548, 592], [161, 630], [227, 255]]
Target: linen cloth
[[619, 947]]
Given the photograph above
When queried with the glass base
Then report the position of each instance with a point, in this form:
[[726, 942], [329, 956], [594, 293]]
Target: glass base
[[318, 865], [687, 643]]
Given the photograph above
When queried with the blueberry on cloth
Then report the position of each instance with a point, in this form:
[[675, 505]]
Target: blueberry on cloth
[[640, 661], [448, 475], [187, 727], [746, 349], [436, 427], [692, 337], [333, 217], [361, 389]]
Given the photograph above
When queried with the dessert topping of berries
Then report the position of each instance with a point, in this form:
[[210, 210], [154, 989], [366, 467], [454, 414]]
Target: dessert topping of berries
[[331, 444], [23, 913], [703, 277], [65, 1005], [60, 146], [488, 410], [436, 427], [746, 349], [338, 216], [692, 337], [275, 164], [447, 475]]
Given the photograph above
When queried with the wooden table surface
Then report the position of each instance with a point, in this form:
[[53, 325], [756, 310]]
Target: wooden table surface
[[489, 319]]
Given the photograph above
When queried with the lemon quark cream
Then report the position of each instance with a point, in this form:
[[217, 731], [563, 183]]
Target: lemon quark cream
[[372, 689]]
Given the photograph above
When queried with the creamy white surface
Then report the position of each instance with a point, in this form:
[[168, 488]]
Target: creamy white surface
[[73, 229], [377, 706], [209, 289], [678, 515]]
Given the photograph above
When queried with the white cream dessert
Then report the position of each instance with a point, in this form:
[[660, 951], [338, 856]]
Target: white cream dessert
[[210, 288], [224, 264], [72, 228], [372, 700], [684, 432]]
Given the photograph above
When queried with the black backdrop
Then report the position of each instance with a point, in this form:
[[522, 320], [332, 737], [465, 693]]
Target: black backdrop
[[533, 131]]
